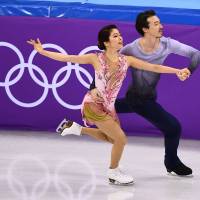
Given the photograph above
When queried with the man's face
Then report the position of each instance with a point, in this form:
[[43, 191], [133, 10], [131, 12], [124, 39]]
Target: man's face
[[155, 27]]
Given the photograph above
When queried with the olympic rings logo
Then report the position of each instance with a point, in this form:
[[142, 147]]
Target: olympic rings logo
[[29, 178], [45, 83]]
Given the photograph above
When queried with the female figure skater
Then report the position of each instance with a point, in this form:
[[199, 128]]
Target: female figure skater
[[110, 70]]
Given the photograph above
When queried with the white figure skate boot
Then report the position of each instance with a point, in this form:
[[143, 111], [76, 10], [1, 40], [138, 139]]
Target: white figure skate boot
[[117, 177], [67, 127]]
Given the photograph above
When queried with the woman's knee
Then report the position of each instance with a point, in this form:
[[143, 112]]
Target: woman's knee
[[109, 139], [121, 140]]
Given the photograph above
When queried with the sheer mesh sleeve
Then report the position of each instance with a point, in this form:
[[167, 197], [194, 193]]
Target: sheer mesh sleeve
[[186, 51]]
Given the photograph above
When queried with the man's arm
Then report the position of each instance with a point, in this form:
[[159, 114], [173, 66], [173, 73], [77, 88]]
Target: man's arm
[[92, 85], [186, 51], [195, 61], [96, 96]]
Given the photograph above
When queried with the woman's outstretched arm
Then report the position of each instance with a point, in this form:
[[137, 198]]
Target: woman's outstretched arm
[[81, 59], [139, 64]]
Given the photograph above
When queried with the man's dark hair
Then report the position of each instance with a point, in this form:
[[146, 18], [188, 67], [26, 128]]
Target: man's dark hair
[[141, 20], [104, 34]]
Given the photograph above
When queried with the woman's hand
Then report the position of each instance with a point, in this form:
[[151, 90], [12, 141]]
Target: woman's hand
[[36, 44]]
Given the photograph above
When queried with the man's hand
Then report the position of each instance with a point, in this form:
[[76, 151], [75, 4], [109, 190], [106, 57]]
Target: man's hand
[[184, 74], [96, 96]]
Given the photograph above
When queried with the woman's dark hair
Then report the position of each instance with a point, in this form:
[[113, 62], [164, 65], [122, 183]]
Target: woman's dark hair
[[104, 34], [141, 20]]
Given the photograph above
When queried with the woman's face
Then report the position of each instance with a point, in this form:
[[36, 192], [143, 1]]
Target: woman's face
[[115, 40]]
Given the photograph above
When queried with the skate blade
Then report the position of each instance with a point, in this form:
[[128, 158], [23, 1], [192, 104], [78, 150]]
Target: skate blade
[[114, 182], [60, 126], [173, 174]]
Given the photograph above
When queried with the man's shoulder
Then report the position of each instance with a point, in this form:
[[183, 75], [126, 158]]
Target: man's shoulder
[[167, 42], [133, 43], [165, 39], [130, 47]]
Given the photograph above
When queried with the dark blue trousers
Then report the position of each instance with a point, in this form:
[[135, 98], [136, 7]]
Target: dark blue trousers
[[160, 118]]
